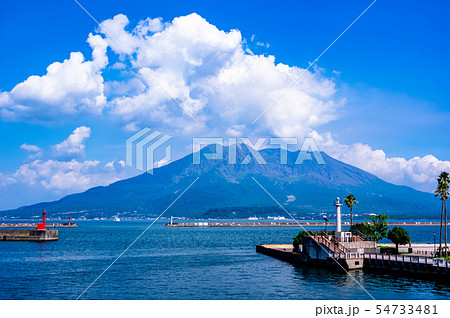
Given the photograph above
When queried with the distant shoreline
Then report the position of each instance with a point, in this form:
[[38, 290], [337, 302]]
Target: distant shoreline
[[240, 222], [290, 223]]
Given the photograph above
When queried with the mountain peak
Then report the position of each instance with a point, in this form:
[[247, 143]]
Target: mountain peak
[[231, 183]]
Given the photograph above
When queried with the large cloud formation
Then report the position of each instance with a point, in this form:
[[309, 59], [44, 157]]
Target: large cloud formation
[[418, 172], [61, 177], [70, 88], [186, 66], [215, 78], [72, 175]]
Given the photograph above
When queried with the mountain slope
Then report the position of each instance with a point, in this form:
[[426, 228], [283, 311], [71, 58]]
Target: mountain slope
[[220, 184]]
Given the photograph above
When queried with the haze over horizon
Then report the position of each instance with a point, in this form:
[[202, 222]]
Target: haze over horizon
[[72, 96]]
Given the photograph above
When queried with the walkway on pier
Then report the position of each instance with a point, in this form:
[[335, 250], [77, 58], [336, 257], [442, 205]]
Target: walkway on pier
[[416, 259]]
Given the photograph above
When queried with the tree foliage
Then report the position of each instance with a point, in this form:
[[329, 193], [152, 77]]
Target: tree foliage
[[242, 212], [442, 192], [298, 240], [364, 227], [399, 236], [350, 200], [380, 226]]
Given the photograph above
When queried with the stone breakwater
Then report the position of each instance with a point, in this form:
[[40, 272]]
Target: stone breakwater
[[29, 235]]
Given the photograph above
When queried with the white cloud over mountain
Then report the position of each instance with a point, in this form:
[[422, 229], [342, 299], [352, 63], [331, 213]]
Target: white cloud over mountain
[[418, 172], [188, 63], [214, 78]]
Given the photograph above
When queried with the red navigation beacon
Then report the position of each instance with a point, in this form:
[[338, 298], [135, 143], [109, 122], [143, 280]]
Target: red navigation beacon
[[41, 226]]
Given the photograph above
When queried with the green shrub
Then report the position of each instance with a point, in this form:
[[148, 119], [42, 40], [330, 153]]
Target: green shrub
[[399, 236], [364, 227], [387, 250], [298, 240]]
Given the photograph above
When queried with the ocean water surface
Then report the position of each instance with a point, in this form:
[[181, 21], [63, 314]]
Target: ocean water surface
[[186, 263]]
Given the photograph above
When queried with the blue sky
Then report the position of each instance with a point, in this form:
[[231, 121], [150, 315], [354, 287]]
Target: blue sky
[[389, 72]]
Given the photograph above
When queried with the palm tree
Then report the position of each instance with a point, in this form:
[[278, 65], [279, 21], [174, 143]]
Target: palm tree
[[442, 192], [439, 192], [445, 177], [350, 200]]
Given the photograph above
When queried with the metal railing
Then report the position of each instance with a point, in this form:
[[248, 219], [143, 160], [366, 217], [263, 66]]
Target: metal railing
[[410, 259], [362, 236], [347, 255], [339, 245], [332, 244]]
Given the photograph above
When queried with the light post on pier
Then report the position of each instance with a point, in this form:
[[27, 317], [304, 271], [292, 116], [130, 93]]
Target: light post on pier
[[338, 205], [326, 223]]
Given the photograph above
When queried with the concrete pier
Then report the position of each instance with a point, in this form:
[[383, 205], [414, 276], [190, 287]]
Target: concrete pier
[[284, 252], [38, 234], [416, 265], [293, 224], [34, 225], [29, 235], [354, 250], [408, 264]]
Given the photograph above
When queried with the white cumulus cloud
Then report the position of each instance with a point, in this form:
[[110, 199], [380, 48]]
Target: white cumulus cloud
[[186, 65], [68, 176], [5, 180], [210, 75], [30, 148], [33, 150], [74, 144], [418, 172], [69, 88]]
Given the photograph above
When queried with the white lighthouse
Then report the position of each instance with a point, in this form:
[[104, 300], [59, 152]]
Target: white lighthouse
[[341, 236], [338, 205]]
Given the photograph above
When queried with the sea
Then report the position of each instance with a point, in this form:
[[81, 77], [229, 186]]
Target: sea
[[187, 263]]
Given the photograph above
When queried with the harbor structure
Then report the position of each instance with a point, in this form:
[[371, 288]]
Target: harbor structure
[[41, 226], [417, 265], [338, 205], [340, 235], [29, 235], [38, 234], [353, 250], [34, 225], [340, 247]]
